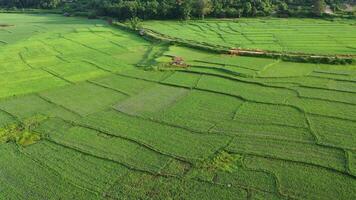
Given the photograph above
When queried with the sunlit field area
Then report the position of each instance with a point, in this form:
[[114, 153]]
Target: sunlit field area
[[92, 111], [313, 36]]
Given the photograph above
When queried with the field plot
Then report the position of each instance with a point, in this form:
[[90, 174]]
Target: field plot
[[287, 35], [48, 51], [89, 111]]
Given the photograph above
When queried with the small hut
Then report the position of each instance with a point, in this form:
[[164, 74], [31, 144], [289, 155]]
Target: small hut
[[178, 61]]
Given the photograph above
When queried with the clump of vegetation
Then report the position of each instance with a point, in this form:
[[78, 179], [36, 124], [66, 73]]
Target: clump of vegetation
[[222, 161], [180, 9], [92, 15], [318, 7], [135, 23], [225, 161], [204, 7], [22, 133], [5, 25]]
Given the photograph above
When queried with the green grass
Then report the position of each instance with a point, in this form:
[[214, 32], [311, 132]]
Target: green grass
[[182, 79], [288, 150], [334, 132], [28, 81], [24, 107], [124, 84], [90, 111], [108, 147], [352, 162], [137, 186], [314, 36], [5, 119], [87, 172], [76, 71], [284, 69], [84, 98], [168, 139], [152, 100], [200, 111], [27, 174], [248, 91], [305, 181], [273, 114], [264, 130]]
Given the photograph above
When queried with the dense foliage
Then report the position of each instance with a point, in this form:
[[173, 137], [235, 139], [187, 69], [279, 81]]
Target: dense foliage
[[31, 3], [181, 9]]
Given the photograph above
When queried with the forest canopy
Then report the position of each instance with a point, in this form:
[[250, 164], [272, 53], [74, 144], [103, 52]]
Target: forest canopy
[[181, 9]]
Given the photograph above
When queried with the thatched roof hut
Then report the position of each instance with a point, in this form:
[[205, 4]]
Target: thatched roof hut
[[179, 61]]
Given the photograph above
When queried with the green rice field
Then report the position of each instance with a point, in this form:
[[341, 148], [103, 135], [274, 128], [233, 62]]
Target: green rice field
[[91, 111], [312, 36]]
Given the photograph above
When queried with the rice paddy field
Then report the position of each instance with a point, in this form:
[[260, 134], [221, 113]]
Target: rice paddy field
[[312, 36], [90, 111]]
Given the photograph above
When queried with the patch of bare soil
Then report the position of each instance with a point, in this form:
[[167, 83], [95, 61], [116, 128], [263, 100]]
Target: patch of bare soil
[[349, 7], [328, 10]]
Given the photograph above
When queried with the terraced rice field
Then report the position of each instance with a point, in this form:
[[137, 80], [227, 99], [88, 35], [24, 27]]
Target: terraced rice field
[[312, 36], [88, 111]]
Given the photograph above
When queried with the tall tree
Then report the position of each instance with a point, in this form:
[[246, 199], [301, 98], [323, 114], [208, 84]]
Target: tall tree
[[49, 3], [203, 7], [318, 7], [248, 9], [185, 8]]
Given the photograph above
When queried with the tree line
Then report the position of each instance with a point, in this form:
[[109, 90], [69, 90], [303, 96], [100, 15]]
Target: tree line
[[180, 9], [19, 4]]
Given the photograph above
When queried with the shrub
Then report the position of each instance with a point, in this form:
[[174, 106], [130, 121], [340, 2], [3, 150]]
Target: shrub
[[135, 23]]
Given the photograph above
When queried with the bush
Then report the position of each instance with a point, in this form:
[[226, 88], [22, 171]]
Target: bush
[[135, 23], [92, 15], [232, 12]]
